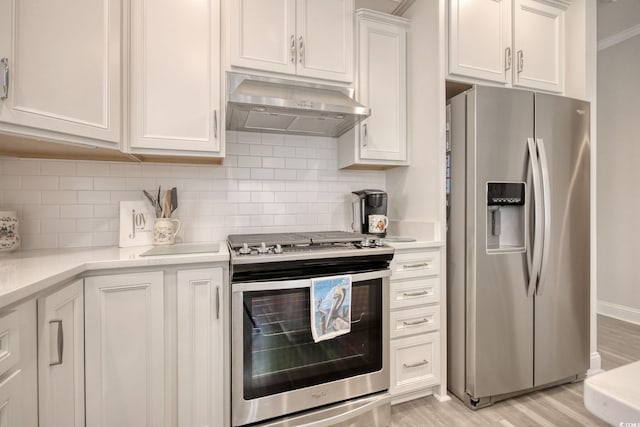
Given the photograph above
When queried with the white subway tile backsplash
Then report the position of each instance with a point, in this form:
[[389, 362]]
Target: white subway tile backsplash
[[59, 168], [75, 183], [76, 211], [249, 162], [267, 183], [262, 173]]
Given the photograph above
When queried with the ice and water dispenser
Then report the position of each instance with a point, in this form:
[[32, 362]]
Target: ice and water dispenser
[[505, 217]]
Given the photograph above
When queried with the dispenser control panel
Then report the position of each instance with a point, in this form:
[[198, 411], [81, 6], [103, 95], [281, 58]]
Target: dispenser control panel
[[505, 193]]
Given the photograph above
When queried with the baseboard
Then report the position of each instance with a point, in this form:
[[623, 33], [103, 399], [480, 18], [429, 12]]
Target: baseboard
[[620, 312], [595, 364]]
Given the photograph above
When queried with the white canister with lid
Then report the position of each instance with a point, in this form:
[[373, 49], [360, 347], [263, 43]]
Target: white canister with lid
[[9, 237]]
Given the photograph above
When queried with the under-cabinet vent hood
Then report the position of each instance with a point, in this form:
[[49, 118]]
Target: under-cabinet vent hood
[[264, 104]]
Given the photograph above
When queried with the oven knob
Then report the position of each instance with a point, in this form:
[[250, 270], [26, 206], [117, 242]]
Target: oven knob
[[277, 249], [262, 249], [245, 249]]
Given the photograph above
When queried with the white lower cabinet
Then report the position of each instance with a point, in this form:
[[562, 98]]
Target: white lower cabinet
[[416, 363], [18, 373], [134, 349], [415, 324], [200, 343], [61, 357], [125, 350]]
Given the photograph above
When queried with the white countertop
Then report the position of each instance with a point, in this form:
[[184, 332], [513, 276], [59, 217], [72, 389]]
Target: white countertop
[[25, 273], [418, 244], [614, 395]]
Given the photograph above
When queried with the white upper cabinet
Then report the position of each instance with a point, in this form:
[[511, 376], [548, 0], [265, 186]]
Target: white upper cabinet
[[311, 38], [263, 34], [480, 39], [62, 66], [381, 84], [175, 77], [538, 44], [516, 43]]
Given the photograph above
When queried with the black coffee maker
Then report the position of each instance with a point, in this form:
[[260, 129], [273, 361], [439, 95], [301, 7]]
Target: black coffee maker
[[365, 203]]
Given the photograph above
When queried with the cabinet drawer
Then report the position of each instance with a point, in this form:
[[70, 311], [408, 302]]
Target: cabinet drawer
[[406, 293], [415, 264], [9, 341], [414, 321], [415, 363]]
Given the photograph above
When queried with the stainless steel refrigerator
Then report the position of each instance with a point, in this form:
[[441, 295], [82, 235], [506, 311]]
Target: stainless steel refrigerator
[[518, 243]]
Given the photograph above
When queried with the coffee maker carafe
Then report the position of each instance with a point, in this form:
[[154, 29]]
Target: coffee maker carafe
[[365, 204]]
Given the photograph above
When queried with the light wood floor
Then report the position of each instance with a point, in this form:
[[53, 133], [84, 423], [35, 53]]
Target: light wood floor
[[618, 344]]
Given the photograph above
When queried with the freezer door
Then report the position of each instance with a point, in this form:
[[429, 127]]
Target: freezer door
[[499, 317], [562, 298]]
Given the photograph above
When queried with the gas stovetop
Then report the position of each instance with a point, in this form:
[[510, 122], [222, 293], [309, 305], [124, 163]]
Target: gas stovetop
[[268, 247]]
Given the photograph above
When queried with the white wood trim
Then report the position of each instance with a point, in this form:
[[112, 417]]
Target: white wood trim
[[620, 312], [623, 35], [595, 365]]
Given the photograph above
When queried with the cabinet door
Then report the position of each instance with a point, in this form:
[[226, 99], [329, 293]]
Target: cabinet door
[[124, 358], [18, 370], [539, 45], [382, 86], [480, 39], [263, 35], [415, 363], [175, 75], [64, 62], [200, 348], [324, 31], [61, 357]]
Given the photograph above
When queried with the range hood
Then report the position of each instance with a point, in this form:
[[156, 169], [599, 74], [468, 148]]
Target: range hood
[[265, 104]]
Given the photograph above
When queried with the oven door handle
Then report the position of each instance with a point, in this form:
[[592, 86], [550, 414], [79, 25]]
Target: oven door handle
[[278, 285]]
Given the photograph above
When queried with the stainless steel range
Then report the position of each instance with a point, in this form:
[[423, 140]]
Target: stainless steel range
[[280, 375]]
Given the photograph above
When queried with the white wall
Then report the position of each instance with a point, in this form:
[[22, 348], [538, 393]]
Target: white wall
[[416, 193], [618, 162], [267, 183]]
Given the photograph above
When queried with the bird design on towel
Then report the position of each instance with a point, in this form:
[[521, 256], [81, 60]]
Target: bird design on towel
[[332, 316]]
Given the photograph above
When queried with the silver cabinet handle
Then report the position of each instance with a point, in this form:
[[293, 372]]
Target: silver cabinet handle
[[301, 50], [415, 365], [520, 61], [56, 337], [416, 322], [217, 302], [4, 69], [365, 135], [415, 294], [507, 59], [293, 49], [215, 124], [419, 265]]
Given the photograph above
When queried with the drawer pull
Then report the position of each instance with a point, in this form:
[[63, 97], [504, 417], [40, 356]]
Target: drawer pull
[[415, 365], [416, 322], [56, 342], [415, 294], [419, 265]]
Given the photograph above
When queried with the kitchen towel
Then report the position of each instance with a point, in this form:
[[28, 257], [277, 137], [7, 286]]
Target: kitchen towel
[[330, 307]]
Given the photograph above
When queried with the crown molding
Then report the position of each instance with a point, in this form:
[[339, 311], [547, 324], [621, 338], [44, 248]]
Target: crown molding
[[619, 37]]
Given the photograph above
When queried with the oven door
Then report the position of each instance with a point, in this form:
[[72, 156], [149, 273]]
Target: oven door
[[277, 368]]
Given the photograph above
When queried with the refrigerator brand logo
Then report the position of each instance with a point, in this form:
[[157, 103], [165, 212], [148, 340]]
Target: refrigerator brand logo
[[581, 112]]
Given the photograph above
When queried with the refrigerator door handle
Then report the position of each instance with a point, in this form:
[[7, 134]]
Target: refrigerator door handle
[[534, 269], [546, 194]]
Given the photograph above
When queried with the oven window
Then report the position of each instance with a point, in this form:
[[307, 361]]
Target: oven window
[[279, 352]]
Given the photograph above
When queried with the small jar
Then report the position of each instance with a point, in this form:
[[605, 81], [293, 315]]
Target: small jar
[[9, 237]]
